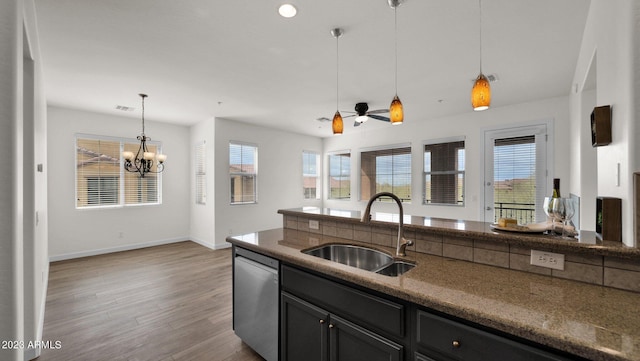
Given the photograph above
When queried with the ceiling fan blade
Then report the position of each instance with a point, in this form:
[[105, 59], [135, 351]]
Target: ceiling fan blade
[[349, 116], [378, 117], [356, 124], [378, 111]]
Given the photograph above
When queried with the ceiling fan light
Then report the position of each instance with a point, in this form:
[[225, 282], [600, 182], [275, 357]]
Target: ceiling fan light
[[362, 118], [396, 113], [481, 93], [337, 124]]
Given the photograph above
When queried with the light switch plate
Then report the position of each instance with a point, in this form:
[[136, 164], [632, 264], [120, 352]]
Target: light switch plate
[[547, 259], [314, 224]]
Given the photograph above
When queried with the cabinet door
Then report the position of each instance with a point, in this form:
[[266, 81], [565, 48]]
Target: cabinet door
[[349, 342], [303, 330]]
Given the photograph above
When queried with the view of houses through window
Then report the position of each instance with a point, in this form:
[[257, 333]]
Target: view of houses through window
[[101, 180], [310, 166], [243, 172]]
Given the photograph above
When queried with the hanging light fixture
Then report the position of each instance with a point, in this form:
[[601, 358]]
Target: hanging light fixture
[[337, 124], [481, 91], [396, 113], [143, 161]]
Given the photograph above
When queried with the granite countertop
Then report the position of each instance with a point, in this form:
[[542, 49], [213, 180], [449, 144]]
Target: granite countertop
[[586, 242], [593, 322]]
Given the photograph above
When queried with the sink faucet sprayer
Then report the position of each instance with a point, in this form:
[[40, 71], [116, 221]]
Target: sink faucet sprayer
[[402, 242]]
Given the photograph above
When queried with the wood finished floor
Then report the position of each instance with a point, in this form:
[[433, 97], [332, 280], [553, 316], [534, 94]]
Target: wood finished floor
[[164, 303]]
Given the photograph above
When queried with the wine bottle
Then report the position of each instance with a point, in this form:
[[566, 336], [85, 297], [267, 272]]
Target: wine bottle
[[556, 188]]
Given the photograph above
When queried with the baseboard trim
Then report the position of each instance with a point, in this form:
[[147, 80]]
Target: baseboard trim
[[214, 247], [129, 247]]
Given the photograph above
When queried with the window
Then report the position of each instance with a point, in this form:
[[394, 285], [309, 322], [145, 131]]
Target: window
[[340, 176], [201, 173], [243, 170], [101, 181], [386, 170], [444, 164], [515, 167], [310, 162]]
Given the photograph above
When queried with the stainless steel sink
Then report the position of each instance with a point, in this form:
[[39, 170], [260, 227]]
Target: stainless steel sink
[[361, 257], [395, 269]]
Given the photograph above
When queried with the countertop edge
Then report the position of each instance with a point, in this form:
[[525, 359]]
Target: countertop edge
[[363, 278]]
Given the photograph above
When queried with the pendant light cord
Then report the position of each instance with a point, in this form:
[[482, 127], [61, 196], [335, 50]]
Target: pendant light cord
[[142, 116], [395, 18], [480, 3], [337, 72]]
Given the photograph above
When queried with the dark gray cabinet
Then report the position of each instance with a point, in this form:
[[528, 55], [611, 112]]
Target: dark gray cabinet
[[311, 333], [443, 339]]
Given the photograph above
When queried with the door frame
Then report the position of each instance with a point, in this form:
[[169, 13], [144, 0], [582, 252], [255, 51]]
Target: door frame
[[543, 184]]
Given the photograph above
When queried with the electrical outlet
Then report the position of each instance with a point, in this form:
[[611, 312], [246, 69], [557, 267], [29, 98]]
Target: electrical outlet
[[547, 259], [314, 224]]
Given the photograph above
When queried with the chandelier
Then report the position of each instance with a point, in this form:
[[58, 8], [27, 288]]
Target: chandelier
[[143, 161]]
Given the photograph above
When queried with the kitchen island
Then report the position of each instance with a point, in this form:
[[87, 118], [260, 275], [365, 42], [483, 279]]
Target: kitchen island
[[586, 320]]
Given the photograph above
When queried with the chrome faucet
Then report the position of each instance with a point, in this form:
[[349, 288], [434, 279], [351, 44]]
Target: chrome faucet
[[402, 242]]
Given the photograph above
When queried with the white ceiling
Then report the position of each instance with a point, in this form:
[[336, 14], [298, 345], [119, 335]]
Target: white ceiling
[[238, 59]]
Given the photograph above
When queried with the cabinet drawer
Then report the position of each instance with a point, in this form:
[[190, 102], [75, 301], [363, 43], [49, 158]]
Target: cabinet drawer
[[459, 341], [366, 309]]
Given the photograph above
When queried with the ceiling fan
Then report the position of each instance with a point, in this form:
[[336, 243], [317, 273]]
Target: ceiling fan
[[362, 114]]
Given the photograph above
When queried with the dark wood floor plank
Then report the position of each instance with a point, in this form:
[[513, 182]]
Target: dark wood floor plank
[[165, 303]]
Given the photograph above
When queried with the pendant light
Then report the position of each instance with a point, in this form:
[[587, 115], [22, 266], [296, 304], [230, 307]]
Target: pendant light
[[396, 113], [481, 91], [337, 124], [143, 162]]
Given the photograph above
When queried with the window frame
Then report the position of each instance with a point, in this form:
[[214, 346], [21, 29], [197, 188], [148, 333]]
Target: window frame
[[254, 174], [456, 171], [329, 174], [389, 147], [317, 175], [122, 187]]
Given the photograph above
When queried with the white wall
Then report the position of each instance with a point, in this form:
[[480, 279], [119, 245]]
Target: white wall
[[78, 232], [11, 272], [471, 125], [279, 177], [23, 241], [202, 221], [612, 33]]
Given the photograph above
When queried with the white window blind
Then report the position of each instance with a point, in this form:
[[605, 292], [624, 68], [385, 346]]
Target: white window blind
[[444, 167], [340, 176], [514, 185], [243, 171], [101, 180], [310, 175], [386, 170], [201, 173]]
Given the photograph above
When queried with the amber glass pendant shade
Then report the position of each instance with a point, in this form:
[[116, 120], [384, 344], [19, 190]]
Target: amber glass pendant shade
[[396, 113], [337, 124], [481, 93]]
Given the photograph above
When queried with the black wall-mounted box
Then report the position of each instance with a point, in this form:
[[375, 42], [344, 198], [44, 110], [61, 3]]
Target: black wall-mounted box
[[609, 218], [601, 126]]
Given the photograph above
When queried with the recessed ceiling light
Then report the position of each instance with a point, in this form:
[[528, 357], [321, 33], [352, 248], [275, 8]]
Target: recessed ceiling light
[[287, 10]]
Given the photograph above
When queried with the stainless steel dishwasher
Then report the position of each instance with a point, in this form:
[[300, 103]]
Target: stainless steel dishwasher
[[255, 301]]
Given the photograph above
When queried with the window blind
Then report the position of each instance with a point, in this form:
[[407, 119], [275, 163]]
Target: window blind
[[101, 180], [201, 173], [386, 170], [514, 184], [444, 169], [243, 171]]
